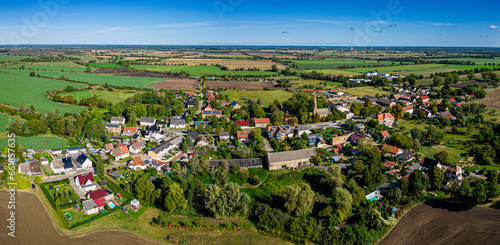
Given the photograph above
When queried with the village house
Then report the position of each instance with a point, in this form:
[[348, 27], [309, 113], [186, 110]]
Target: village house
[[204, 123], [289, 159], [201, 141], [424, 98], [177, 123], [153, 133], [389, 164], [44, 161], [386, 102], [130, 131], [430, 163], [113, 128], [108, 147], [242, 136], [301, 129], [339, 140], [279, 132], [348, 114], [235, 105], [117, 120], [316, 140], [85, 182], [360, 127], [386, 119], [56, 151], [57, 166], [242, 123], [101, 194], [31, 168], [355, 138], [384, 134], [261, 122], [208, 107], [147, 121], [193, 136], [224, 135], [137, 146], [90, 207], [137, 164], [406, 156], [84, 162], [121, 152], [392, 150], [191, 102], [217, 113], [68, 165], [454, 172], [337, 92], [408, 109], [75, 150]]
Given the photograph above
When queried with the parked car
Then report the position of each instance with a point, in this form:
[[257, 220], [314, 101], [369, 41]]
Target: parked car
[[124, 210], [33, 186]]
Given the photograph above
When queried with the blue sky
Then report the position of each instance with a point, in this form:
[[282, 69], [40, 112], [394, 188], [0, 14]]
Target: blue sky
[[252, 22]]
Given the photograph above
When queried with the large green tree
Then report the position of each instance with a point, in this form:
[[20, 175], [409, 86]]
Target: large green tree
[[299, 199]]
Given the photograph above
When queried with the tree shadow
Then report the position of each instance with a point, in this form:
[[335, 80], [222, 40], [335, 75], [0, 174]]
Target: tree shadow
[[448, 204]]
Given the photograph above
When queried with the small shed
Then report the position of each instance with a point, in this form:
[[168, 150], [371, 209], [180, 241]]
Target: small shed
[[119, 195], [135, 203], [102, 182]]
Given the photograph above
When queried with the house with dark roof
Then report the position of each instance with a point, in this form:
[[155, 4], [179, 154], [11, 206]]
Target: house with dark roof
[[279, 132], [289, 159], [370, 98], [113, 128], [147, 121], [85, 182], [406, 156], [224, 135], [430, 163], [193, 136], [235, 105], [84, 162], [68, 165], [454, 172], [316, 140], [75, 150], [153, 133], [177, 123], [117, 120], [201, 141], [204, 123], [301, 129], [386, 102]]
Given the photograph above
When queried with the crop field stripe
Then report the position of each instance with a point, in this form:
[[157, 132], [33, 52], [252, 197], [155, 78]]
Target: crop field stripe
[[38, 142]]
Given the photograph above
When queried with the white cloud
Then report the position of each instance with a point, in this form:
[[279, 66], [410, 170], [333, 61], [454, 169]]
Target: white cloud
[[441, 24], [493, 27]]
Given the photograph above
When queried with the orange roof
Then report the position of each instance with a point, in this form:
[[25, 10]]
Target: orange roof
[[385, 133], [389, 164], [390, 149], [424, 97], [261, 120], [138, 161], [242, 134], [130, 130], [407, 108], [385, 116]]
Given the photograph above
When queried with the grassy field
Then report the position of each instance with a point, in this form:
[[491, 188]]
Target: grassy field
[[105, 65], [31, 91], [4, 119], [45, 142], [198, 71], [469, 67], [138, 82], [477, 61], [6, 58], [398, 69], [337, 72], [267, 97], [452, 143], [61, 68], [114, 97], [366, 90], [334, 64]]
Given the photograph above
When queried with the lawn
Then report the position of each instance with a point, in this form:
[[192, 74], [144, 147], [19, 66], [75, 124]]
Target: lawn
[[4, 119], [138, 82], [267, 97], [114, 97], [45, 142], [31, 91], [337, 72]]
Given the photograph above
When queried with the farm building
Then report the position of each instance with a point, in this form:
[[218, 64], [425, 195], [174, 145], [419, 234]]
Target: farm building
[[289, 159]]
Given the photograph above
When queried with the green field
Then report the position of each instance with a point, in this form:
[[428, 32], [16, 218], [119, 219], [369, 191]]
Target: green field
[[114, 97], [4, 119], [138, 82], [365, 90], [37, 142], [198, 71], [267, 97], [105, 65], [6, 58], [334, 64], [31, 91], [477, 61], [36, 68], [469, 67], [398, 69], [337, 72]]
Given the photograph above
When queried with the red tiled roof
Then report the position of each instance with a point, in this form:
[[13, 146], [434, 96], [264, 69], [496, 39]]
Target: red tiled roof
[[390, 148], [407, 108], [99, 202], [97, 194], [389, 164], [84, 178], [138, 161], [424, 97], [262, 120], [385, 116], [242, 134], [385, 133], [130, 130], [242, 123]]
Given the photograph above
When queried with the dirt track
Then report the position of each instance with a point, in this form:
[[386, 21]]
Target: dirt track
[[446, 225], [33, 227]]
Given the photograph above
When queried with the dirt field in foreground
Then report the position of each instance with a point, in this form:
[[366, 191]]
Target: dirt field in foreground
[[34, 227], [240, 85], [438, 225], [492, 100], [175, 84]]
